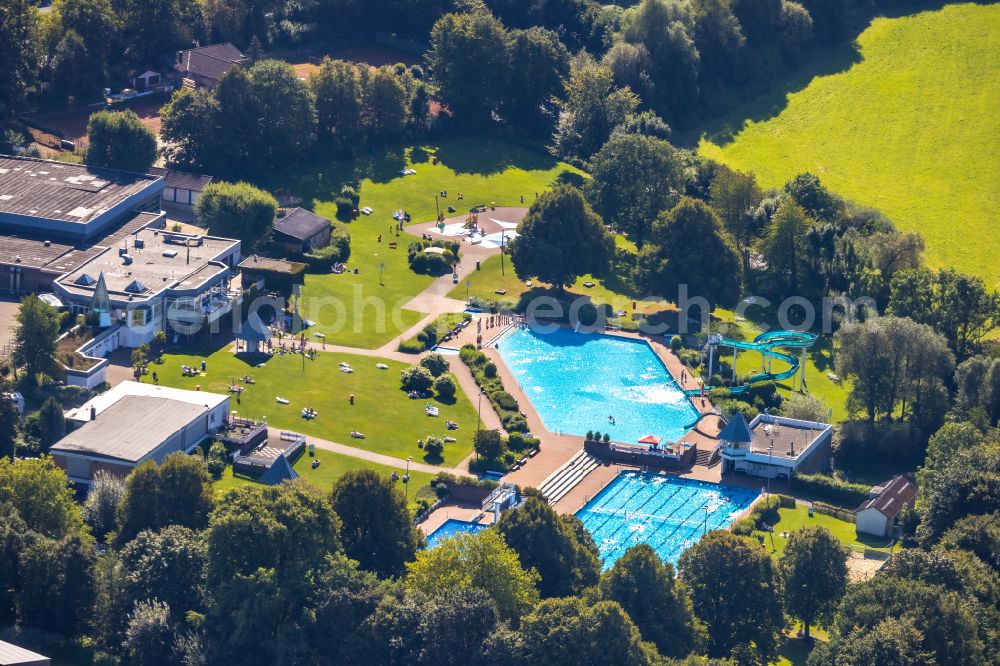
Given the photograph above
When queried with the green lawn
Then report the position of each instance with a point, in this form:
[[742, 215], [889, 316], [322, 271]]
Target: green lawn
[[332, 467], [610, 291], [797, 518], [906, 127], [349, 308], [391, 422]]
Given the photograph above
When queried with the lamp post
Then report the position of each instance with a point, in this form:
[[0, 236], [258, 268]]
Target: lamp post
[[437, 210], [479, 412], [503, 249], [406, 480]]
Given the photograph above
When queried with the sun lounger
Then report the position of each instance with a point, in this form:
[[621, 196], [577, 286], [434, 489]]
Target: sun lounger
[[381, 366], [281, 401]]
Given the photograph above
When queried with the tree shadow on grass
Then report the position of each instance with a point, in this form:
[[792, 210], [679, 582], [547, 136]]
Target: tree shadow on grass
[[722, 131], [483, 157]]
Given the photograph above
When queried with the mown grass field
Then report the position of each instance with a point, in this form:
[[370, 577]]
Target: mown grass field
[[391, 422], [349, 308], [910, 128], [332, 467], [795, 519]]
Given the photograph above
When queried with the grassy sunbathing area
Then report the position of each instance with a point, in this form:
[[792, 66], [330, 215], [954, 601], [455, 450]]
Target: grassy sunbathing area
[[797, 518], [333, 466], [484, 283], [391, 422], [348, 308]]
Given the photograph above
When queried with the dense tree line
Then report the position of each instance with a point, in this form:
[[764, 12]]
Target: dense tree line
[[294, 575], [291, 574], [264, 118]]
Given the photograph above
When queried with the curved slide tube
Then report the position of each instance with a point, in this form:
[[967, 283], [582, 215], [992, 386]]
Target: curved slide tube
[[691, 425], [766, 344]]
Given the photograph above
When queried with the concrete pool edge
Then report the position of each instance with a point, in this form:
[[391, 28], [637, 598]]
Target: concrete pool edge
[[557, 449], [600, 500], [656, 345]]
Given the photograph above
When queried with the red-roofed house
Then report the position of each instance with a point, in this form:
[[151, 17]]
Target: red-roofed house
[[877, 516]]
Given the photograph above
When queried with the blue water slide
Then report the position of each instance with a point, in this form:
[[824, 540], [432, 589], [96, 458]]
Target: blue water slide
[[767, 344]]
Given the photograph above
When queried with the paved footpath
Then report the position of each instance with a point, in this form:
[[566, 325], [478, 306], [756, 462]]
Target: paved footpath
[[379, 458]]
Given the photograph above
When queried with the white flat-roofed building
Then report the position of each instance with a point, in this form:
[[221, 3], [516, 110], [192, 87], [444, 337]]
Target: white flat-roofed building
[[156, 280], [132, 423], [774, 446]]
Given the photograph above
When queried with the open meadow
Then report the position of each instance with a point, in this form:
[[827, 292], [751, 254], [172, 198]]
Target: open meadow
[[908, 125]]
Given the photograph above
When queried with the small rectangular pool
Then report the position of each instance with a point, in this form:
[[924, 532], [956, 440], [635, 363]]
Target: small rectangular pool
[[668, 513], [450, 528], [575, 381]]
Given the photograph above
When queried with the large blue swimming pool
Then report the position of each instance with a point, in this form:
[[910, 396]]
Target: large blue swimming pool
[[452, 527], [668, 513], [577, 380]]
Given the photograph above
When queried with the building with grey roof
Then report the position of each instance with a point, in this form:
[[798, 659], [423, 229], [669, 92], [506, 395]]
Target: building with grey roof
[[300, 230], [55, 216], [206, 65], [70, 202], [181, 189], [879, 514], [133, 423]]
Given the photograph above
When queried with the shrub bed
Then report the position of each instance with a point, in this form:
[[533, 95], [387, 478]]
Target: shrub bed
[[429, 263], [431, 334], [504, 403]]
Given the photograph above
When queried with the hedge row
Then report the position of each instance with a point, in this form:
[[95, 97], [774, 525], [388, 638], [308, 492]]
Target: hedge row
[[829, 489], [484, 371]]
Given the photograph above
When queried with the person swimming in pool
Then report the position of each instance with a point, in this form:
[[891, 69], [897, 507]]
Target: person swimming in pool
[[611, 420]]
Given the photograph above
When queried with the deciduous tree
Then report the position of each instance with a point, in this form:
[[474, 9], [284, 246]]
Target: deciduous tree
[[656, 601], [176, 492], [734, 589], [561, 238], [40, 494], [558, 547], [119, 140], [480, 561], [35, 335], [813, 570], [383, 546], [689, 246], [237, 210], [634, 179], [568, 632]]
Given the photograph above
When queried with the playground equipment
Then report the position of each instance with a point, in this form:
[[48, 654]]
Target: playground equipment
[[766, 344]]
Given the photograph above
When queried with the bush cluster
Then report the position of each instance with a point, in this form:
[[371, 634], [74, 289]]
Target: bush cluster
[[504, 403]]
